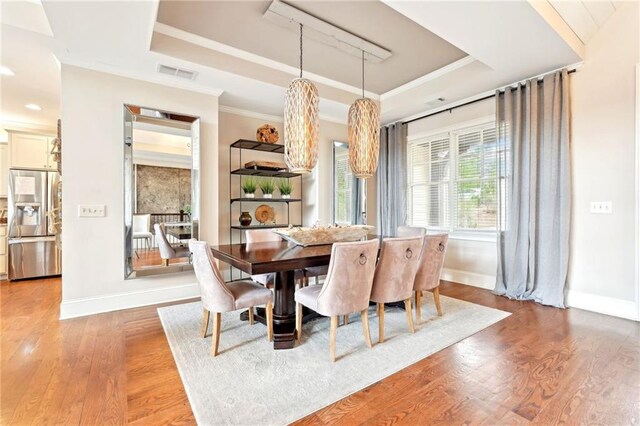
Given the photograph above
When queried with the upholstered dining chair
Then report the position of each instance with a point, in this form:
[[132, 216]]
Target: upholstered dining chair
[[218, 296], [395, 275], [345, 290], [167, 250], [141, 228], [428, 275], [410, 231]]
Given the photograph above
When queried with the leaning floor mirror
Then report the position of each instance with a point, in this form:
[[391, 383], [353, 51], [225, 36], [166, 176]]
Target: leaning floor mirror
[[161, 190], [349, 192]]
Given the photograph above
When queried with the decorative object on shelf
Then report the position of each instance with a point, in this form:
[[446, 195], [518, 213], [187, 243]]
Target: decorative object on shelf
[[249, 187], [267, 133], [245, 219], [265, 165], [265, 214], [267, 186], [301, 123], [285, 188], [319, 235], [364, 135]]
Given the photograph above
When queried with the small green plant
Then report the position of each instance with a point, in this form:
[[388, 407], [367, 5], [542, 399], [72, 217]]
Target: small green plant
[[187, 209], [285, 187], [249, 185], [267, 186]]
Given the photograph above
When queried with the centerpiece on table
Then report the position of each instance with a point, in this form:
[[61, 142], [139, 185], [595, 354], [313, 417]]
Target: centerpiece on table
[[320, 235]]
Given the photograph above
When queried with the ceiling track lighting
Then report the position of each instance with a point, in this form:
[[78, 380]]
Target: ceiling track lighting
[[364, 135], [301, 123]]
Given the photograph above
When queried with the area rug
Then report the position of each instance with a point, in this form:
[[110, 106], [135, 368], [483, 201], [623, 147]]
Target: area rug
[[250, 383]]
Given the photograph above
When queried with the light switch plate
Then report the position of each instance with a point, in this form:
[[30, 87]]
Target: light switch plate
[[601, 207], [92, 210]]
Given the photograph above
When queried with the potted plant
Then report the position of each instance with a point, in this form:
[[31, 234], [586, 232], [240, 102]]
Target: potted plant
[[285, 188], [249, 187], [267, 186]]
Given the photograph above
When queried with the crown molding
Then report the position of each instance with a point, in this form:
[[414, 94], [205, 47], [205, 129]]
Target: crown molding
[[256, 59], [460, 63], [272, 118]]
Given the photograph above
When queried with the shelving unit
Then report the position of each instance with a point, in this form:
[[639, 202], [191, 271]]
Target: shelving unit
[[235, 231]]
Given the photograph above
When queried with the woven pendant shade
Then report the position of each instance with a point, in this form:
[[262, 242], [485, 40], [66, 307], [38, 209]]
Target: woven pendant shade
[[364, 137], [301, 126]]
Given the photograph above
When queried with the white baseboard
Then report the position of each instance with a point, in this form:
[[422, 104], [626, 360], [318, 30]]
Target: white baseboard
[[487, 282], [602, 304], [115, 302]]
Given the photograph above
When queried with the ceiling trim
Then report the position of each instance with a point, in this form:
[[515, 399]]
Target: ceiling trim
[[188, 37], [269, 117], [147, 77], [460, 63]]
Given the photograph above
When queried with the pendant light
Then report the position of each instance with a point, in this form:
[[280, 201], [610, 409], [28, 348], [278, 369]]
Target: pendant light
[[301, 123], [364, 135]]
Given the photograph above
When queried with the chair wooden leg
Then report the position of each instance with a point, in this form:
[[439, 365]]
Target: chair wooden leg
[[364, 317], [332, 338], [251, 319], [165, 262], [407, 307], [346, 319], [317, 280], [205, 322], [418, 307], [380, 322], [436, 298], [215, 341], [269, 309], [298, 321]]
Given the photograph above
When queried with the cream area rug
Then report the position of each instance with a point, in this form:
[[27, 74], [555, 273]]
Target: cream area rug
[[250, 383]]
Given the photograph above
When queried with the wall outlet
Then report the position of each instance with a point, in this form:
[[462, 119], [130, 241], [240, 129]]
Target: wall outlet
[[601, 207], [92, 210]]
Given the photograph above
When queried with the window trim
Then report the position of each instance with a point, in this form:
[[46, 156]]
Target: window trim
[[452, 131]]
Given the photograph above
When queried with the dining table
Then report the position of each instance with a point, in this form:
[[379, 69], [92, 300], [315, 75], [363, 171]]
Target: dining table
[[282, 259]]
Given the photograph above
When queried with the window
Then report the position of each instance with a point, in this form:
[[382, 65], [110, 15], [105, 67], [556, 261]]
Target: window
[[453, 180]]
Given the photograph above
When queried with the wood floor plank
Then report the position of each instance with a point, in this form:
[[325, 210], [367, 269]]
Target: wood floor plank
[[540, 365]]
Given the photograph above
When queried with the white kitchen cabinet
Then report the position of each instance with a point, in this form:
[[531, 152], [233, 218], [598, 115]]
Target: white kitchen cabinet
[[4, 169], [30, 151]]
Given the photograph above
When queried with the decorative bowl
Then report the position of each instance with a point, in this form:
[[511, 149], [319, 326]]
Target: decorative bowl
[[321, 235]]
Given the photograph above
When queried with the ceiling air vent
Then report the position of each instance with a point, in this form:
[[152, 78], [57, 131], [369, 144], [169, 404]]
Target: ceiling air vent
[[177, 72]]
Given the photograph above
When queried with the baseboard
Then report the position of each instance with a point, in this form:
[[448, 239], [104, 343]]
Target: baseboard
[[115, 302], [487, 282], [602, 304]]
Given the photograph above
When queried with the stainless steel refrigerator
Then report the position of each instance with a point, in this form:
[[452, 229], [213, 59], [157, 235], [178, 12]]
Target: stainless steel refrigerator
[[34, 250]]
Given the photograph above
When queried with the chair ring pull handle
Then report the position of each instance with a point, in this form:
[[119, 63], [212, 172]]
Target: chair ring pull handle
[[363, 259], [441, 247], [408, 254]]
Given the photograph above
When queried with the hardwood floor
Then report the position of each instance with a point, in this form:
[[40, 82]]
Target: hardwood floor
[[541, 365]]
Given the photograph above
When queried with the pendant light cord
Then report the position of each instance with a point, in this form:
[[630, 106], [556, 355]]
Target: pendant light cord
[[300, 50], [363, 73]]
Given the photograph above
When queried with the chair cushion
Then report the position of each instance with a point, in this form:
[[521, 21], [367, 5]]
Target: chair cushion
[[247, 293], [316, 271], [181, 251], [266, 280], [142, 235], [308, 296]]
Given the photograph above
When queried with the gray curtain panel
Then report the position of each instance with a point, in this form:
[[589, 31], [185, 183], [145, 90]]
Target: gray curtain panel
[[392, 178], [535, 190]]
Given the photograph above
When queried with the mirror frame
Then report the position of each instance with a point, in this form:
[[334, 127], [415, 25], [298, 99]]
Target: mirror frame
[[128, 195]]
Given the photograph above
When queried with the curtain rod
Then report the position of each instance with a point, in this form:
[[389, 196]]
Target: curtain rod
[[466, 103]]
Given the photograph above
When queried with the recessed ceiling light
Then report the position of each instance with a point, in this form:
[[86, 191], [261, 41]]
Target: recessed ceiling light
[[5, 71], [33, 107]]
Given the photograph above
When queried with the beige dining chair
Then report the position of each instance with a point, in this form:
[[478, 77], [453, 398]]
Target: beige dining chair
[[167, 250], [218, 296], [345, 290], [410, 231], [395, 275], [141, 228], [428, 274], [255, 236]]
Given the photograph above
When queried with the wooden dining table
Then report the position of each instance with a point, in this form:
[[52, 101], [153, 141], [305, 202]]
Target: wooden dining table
[[282, 259]]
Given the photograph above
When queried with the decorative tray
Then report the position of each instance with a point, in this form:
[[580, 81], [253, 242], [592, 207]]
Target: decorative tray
[[265, 165], [320, 235]]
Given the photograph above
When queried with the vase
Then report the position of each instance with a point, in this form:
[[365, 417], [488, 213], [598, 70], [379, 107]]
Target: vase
[[245, 219], [267, 195], [252, 195], [286, 196]]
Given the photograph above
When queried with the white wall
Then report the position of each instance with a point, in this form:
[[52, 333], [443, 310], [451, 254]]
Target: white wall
[[603, 136], [92, 152], [467, 261]]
